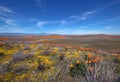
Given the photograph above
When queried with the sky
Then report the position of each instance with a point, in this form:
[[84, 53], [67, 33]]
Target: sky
[[76, 17]]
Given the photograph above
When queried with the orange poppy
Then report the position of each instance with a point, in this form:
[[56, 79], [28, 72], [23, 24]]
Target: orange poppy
[[71, 65], [77, 62], [89, 56], [89, 61]]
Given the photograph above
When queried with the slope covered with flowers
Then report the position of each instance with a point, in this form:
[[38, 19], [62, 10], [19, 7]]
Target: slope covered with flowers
[[35, 62]]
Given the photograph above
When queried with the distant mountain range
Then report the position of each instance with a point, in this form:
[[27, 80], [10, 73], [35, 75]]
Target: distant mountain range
[[23, 34], [45, 34]]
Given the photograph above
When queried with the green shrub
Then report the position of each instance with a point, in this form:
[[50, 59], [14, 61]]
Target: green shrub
[[79, 69]]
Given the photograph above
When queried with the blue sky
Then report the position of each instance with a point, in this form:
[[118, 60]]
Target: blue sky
[[60, 16]]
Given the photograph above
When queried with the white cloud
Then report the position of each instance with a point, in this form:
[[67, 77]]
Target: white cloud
[[112, 3], [7, 21], [13, 29], [5, 16], [88, 14], [41, 23], [10, 22], [4, 11], [84, 16]]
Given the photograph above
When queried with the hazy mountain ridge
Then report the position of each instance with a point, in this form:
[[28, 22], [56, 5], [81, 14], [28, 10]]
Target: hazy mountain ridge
[[39, 34], [22, 34]]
